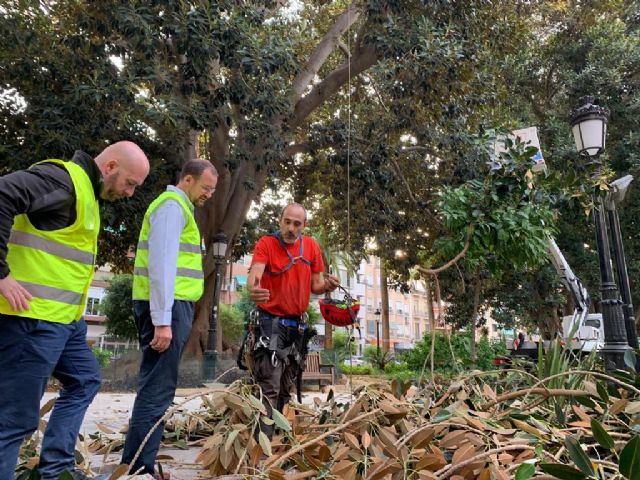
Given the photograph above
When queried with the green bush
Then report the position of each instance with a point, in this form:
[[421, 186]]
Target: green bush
[[443, 362], [232, 322], [356, 369], [102, 355], [376, 357]]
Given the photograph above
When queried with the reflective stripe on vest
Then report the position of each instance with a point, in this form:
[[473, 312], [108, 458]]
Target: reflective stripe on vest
[[56, 266], [189, 283]]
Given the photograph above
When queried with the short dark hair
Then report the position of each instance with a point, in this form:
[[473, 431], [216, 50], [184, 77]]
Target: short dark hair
[[196, 167]]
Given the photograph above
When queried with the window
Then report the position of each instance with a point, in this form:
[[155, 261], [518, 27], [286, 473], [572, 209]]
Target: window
[[371, 327], [93, 306], [399, 307]]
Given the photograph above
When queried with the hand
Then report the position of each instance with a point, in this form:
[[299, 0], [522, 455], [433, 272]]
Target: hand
[[17, 296], [161, 338], [257, 294], [331, 282]]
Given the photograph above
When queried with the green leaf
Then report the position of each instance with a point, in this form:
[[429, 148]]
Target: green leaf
[[525, 471], [601, 435], [442, 415], [281, 421], [602, 392], [265, 443], [586, 401], [630, 359], [576, 453], [564, 472], [65, 476], [630, 459]]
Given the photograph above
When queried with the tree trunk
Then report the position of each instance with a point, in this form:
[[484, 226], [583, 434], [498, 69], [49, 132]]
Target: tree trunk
[[432, 323], [238, 188], [328, 336], [384, 298], [474, 321]]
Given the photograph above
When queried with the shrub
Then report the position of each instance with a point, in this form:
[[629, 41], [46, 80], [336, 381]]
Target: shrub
[[102, 355], [486, 350], [356, 369]]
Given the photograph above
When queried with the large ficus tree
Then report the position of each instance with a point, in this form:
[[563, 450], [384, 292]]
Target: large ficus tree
[[247, 84]]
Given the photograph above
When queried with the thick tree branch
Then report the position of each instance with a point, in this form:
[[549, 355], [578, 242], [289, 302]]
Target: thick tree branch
[[367, 57], [435, 271], [324, 49]]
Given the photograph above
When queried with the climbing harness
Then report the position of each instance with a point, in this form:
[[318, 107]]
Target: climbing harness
[[292, 260]]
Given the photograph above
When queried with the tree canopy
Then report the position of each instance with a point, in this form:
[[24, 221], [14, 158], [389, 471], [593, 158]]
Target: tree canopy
[[367, 111]]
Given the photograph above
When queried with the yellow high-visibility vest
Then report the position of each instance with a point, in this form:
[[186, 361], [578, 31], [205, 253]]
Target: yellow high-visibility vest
[[189, 275], [56, 266]]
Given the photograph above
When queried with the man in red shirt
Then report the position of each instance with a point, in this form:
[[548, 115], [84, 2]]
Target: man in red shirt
[[286, 268]]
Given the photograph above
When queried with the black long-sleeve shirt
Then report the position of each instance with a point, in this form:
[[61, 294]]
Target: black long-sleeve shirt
[[46, 194]]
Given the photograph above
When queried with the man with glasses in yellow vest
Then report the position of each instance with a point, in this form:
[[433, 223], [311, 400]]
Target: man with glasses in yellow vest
[[49, 226], [167, 280]]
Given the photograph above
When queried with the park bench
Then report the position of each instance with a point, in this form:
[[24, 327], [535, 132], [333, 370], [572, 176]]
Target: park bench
[[315, 370]]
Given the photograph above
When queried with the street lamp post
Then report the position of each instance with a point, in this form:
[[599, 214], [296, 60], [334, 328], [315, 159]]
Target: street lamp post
[[377, 314], [617, 192], [589, 126], [219, 247]]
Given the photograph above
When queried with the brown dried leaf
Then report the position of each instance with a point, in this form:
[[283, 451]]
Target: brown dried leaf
[[488, 391], [351, 440], [452, 439], [366, 440], [582, 415], [46, 408], [525, 427], [103, 428], [430, 461], [120, 471], [618, 406], [463, 453]]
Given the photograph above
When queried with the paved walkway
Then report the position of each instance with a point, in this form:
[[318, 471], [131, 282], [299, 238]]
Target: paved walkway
[[112, 410]]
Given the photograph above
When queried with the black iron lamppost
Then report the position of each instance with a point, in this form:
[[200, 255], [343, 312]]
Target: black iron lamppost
[[377, 314], [589, 125], [219, 247], [617, 192]]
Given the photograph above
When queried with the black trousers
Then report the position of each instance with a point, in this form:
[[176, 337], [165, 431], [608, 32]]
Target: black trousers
[[276, 376]]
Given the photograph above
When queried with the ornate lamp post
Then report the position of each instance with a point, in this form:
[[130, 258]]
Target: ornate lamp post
[[219, 248], [614, 197], [589, 126]]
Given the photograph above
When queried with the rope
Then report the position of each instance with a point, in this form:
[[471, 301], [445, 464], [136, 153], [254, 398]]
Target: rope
[[350, 330]]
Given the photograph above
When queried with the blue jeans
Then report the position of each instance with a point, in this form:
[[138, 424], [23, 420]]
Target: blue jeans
[[157, 383], [30, 352]]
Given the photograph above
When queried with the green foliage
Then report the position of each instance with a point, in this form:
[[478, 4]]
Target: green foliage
[[102, 355], [443, 361], [118, 308], [341, 350], [376, 357], [507, 218], [356, 369], [232, 322]]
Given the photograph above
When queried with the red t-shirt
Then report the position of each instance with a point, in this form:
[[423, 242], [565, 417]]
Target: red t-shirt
[[289, 291]]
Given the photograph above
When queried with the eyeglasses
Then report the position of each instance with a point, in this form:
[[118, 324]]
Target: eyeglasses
[[208, 189]]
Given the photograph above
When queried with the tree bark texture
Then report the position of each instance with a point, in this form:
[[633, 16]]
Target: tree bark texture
[[237, 188]]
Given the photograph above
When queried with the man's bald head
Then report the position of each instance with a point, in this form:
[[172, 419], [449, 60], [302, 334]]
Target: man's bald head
[[293, 219], [123, 166]]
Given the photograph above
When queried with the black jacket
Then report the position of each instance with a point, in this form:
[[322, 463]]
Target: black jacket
[[45, 193]]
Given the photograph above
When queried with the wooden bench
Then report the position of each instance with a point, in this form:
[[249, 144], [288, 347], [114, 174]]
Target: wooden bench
[[315, 370]]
